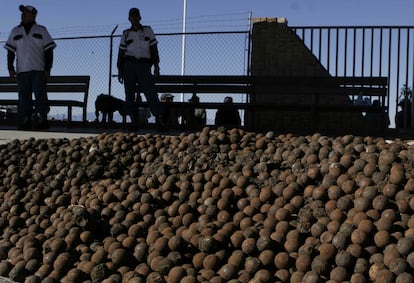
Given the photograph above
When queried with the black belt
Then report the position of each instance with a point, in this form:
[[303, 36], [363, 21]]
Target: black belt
[[137, 60]]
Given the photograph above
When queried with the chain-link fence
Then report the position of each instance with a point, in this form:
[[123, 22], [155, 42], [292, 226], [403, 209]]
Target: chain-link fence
[[209, 53]]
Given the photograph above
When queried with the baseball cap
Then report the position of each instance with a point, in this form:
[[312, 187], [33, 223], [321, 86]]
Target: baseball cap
[[133, 11], [29, 8], [194, 99]]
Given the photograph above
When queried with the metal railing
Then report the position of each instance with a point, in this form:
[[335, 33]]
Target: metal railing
[[365, 51]]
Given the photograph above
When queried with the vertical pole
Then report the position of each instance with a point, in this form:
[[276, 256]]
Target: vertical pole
[[110, 60], [389, 70], [183, 43], [336, 51], [320, 45], [371, 53], [245, 96], [363, 52], [412, 83], [345, 50], [354, 52], [249, 44], [407, 66], [328, 46], [398, 71]]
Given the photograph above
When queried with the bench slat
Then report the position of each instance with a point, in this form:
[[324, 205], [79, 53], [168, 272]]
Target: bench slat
[[202, 89], [50, 88], [56, 84], [194, 79]]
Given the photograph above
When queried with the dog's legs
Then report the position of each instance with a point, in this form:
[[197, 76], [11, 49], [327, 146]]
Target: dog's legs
[[104, 114], [97, 116]]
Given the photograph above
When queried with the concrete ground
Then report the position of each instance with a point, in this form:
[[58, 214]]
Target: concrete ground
[[9, 133]]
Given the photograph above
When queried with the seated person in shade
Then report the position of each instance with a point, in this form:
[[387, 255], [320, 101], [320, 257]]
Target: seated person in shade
[[196, 117], [373, 119], [228, 115], [403, 117], [169, 117], [361, 100]]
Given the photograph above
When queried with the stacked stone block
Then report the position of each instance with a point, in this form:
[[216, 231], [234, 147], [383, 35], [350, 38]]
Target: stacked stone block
[[278, 51]]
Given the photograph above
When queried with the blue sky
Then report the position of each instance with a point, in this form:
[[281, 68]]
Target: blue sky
[[84, 16]]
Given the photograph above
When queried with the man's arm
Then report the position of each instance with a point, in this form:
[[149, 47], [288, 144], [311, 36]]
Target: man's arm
[[155, 58], [10, 63], [48, 59], [48, 63], [120, 65]]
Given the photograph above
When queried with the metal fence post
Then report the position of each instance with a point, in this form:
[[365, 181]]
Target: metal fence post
[[110, 59]]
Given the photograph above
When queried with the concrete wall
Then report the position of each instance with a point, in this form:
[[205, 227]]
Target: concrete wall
[[278, 51]]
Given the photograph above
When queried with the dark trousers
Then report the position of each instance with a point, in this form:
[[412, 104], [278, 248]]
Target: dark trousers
[[29, 83], [136, 72]]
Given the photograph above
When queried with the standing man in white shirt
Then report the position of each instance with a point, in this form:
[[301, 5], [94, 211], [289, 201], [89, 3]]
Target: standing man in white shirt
[[138, 52], [32, 47]]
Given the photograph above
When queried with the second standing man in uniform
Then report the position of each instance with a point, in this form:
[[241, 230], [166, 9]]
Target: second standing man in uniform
[[138, 52]]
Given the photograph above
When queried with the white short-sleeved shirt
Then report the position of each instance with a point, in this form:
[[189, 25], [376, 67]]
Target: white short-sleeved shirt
[[137, 43], [29, 48]]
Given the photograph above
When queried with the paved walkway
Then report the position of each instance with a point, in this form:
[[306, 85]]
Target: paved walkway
[[8, 133]]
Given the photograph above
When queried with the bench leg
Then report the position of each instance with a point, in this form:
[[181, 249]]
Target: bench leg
[[70, 115], [84, 117]]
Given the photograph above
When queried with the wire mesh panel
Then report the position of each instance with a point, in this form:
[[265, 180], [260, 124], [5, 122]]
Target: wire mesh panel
[[218, 53], [82, 56], [205, 53]]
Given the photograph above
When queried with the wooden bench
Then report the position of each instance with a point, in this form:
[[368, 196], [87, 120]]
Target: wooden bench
[[219, 86], [373, 87], [319, 95], [316, 88], [214, 86], [197, 84], [68, 85]]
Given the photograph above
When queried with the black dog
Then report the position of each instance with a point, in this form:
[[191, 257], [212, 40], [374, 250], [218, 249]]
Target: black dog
[[108, 104]]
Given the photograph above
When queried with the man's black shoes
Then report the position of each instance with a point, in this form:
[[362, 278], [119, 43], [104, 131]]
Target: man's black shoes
[[25, 123], [160, 124], [34, 121], [40, 122]]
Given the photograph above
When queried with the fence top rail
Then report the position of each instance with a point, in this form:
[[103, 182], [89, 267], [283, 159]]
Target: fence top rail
[[54, 84]]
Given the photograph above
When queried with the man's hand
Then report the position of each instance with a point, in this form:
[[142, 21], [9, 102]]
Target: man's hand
[[156, 70], [46, 75], [12, 73], [120, 77]]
